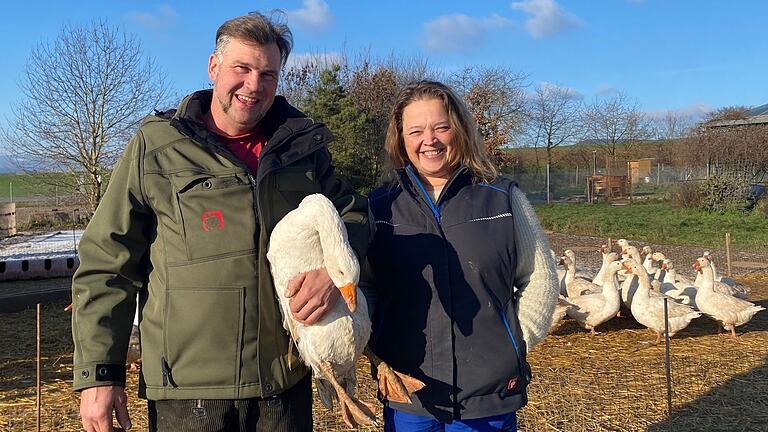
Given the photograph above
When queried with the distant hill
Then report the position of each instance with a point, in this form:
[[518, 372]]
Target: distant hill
[[7, 164]]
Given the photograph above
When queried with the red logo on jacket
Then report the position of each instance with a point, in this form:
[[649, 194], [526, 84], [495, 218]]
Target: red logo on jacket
[[512, 383], [213, 219]]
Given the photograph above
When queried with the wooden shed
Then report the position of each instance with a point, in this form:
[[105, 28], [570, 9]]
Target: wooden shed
[[639, 170], [607, 187]]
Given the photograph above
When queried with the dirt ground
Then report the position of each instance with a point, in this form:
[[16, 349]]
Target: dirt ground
[[611, 382]]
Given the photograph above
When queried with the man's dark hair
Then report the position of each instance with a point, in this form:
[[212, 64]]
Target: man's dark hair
[[259, 29]]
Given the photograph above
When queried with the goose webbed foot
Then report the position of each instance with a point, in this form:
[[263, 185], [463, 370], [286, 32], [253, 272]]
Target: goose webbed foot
[[353, 411], [394, 386]]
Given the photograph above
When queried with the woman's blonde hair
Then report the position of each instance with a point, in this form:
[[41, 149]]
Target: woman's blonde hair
[[468, 146]]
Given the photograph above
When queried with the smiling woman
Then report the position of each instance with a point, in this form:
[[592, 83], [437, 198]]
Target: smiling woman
[[457, 259], [428, 138]]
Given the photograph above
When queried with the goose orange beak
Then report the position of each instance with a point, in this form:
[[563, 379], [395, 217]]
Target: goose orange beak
[[627, 267], [349, 293]]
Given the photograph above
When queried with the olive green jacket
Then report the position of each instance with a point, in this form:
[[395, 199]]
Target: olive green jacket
[[185, 225]]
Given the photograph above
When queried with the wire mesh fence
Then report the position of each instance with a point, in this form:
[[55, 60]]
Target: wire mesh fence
[[570, 184]]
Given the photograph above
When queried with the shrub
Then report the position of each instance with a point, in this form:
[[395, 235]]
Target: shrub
[[686, 195], [761, 206], [721, 193]]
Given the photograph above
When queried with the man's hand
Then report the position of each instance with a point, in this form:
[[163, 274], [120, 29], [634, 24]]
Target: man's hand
[[312, 295], [97, 405]]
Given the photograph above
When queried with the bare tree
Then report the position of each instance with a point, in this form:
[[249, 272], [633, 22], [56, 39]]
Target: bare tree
[[739, 152], [84, 95], [614, 123], [553, 117], [674, 125], [496, 98], [736, 112], [667, 128], [297, 81]]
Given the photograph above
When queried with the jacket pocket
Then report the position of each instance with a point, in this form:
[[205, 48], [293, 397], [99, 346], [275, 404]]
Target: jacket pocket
[[202, 335], [217, 214]]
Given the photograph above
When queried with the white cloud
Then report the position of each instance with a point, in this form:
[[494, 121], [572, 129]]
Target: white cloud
[[160, 21], [322, 60], [314, 16], [546, 18], [604, 89], [460, 33], [570, 91], [694, 111]]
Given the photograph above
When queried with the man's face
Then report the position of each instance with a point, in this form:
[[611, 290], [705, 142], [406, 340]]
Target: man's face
[[244, 85]]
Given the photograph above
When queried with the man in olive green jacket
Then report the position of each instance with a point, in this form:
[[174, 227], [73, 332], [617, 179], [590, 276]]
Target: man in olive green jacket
[[182, 234]]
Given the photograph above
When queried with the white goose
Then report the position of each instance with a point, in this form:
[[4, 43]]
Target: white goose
[[591, 310], [310, 237], [576, 286], [649, 310], [652, 264], [561, 308], [659, 258], [608, 257], [581, 272], [718, 278], [730, 311], [724, 285], [629, 285], [649, 264], [623, 243], [670, 286]]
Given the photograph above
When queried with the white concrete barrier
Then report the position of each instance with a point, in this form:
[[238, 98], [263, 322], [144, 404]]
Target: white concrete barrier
[[45, 268]]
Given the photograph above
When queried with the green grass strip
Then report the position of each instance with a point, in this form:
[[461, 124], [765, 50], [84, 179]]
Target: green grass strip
[[658, 222]]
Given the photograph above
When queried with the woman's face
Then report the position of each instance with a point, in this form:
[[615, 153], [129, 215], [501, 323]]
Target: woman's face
[[428, 139]]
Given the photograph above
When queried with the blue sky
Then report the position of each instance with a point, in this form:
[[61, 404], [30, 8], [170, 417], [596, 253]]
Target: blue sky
[[689, 56]]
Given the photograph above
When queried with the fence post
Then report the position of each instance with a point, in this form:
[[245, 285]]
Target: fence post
[[667, 362], [728, 253], [548, 200], [658, 174], [75, 219], [576, 183], [39, 396]]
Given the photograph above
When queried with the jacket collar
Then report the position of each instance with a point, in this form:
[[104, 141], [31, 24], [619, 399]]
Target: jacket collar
[[281, 120], [410, 181]]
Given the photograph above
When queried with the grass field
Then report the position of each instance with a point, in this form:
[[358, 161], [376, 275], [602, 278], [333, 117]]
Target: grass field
[[24, 185], [657, 222]]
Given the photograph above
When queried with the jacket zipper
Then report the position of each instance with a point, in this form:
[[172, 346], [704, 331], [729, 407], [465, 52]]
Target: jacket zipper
[[166, 371], [433, 206]]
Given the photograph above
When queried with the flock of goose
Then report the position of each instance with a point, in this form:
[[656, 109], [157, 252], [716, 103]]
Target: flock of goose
[[641, 280]]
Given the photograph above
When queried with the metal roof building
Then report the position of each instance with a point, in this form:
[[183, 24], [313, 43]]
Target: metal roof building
[[757, 115]]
